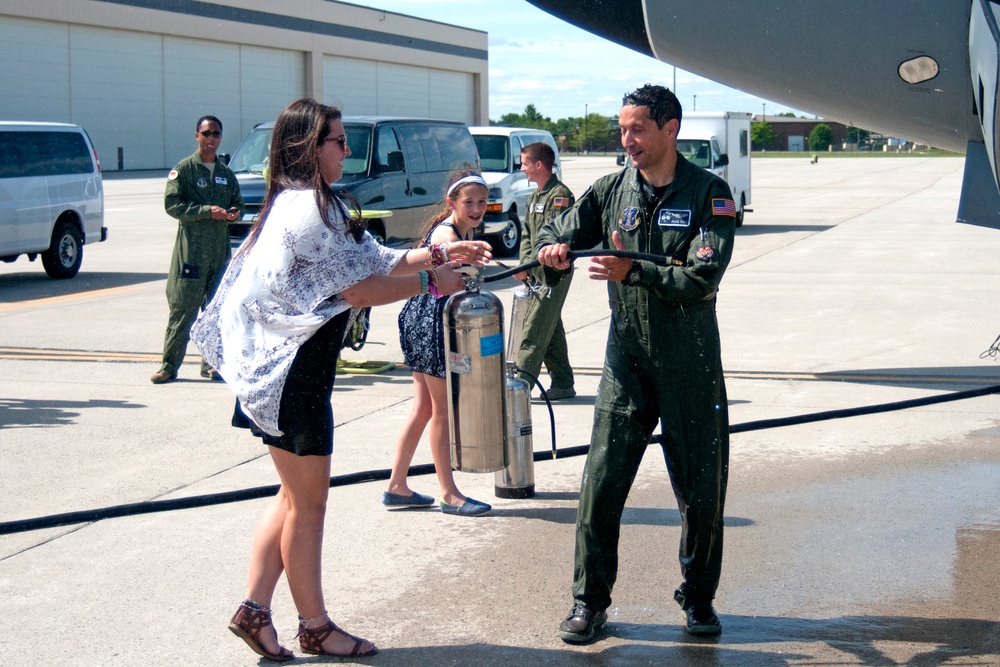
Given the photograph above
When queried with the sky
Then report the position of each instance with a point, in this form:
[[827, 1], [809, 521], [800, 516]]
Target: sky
[[564, 71]]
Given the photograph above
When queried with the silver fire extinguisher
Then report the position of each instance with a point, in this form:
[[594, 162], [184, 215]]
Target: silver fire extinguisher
[[517, 480], [474, 355]]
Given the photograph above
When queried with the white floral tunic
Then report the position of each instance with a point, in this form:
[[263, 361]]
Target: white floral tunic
[[274, 298]]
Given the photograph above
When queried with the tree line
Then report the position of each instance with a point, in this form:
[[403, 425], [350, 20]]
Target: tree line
[[590, 133], [597, 133]]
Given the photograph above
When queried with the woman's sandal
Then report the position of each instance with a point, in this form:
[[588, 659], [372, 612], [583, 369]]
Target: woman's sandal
[[311, 640], [249, 621]]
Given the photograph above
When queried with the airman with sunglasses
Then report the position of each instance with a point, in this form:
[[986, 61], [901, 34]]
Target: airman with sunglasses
[[204, 195]]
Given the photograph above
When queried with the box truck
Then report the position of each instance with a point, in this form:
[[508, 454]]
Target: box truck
[[719, 141]]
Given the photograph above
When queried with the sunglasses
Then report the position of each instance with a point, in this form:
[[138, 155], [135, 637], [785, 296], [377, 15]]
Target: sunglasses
[[342, 140], [210, 133]]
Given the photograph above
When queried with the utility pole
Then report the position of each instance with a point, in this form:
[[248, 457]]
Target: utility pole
[[585, 114]]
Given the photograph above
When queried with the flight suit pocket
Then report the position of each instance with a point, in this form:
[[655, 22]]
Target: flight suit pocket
[[190, 271]]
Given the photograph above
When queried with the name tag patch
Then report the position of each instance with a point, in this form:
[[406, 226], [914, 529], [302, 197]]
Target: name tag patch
[[674, 218], [539, 208], [219, 180]]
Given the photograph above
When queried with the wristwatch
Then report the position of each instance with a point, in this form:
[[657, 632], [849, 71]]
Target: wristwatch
[[634, 275]]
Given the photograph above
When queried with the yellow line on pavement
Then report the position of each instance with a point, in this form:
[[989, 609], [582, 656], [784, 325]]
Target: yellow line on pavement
[[35, 354], [67, 298], [40, 354]]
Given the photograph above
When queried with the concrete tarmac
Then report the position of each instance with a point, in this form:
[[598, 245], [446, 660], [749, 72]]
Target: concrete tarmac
[[865, 540]]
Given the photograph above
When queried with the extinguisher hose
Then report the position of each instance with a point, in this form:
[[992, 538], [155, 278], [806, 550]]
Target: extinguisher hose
[[548, 403], [628, 254]]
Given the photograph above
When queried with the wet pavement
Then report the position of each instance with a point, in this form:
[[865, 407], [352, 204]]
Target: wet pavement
[[864, 540]]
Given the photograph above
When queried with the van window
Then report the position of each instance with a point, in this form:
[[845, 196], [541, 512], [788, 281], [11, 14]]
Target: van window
[[432, 152], [414, 150], [252, 154], [516, 146], [10, 166], [457, 148], [387, 143], [359, 139], [493, 152], [49, 153]]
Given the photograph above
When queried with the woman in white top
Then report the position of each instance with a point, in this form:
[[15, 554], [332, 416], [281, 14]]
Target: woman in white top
[[274, 330]]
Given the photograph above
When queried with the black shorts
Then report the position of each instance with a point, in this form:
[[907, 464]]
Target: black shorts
[[305, 416]]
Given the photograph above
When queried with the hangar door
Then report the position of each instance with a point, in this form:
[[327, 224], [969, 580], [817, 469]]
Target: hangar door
[[367, 87], [143, 106]]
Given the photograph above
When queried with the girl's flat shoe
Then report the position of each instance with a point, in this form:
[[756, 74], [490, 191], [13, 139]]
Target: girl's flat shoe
[[470, 507]]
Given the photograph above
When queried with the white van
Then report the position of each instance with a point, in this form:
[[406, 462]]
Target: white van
[[51, 195], [500, 157]]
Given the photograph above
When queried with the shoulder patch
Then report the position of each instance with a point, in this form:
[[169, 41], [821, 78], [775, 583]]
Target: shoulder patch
[[724, 207], [172, 176], [560, 202]]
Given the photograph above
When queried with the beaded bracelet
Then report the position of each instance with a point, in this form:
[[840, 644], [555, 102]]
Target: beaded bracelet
[[424, 282], [432, 284], [438, 255]]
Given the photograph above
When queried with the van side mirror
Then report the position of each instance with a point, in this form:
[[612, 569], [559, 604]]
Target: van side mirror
[[225, 158], [395, 162], [722, 161]]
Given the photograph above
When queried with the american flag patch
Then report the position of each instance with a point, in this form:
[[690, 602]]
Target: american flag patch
[[561, 202], [724, 207]]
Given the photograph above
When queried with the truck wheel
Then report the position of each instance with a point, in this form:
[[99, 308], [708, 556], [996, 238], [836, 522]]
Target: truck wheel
[[65, 254], [739, 214], [508, 242]]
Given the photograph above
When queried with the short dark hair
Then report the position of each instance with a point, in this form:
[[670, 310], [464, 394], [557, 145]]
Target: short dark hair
[[211, 119], [540, 152], [662, 104]]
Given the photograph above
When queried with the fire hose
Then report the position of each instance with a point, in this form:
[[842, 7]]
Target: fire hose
[[205, 500]]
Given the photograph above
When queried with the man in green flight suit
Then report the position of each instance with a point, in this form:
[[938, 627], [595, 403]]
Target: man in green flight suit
[[544, 338], [662, 362], [204, 195]]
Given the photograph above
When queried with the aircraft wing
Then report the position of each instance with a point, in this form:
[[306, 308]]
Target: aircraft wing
[[924, 70]]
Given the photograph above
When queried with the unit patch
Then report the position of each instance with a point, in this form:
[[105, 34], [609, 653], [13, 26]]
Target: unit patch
[[202, 182], [172, 176], [724, 207], [539, 208], [674, 218], [629, 219]]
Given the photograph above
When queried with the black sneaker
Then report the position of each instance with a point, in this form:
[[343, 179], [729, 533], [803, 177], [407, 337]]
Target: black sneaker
[[699, 617], [702, 620], [582, 624]]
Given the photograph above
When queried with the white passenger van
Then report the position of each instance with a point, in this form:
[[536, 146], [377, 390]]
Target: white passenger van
[[500, 156], [51, 195]]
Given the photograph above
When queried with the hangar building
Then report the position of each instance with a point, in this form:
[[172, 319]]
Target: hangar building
[[137, 74]]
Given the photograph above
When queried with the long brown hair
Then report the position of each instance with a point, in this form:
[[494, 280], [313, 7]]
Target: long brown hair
[[294, 164], [456, 175]]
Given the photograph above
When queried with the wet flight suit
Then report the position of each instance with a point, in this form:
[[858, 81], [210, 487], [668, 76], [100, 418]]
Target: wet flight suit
[[662, 363], [544, 338], [201, 250]]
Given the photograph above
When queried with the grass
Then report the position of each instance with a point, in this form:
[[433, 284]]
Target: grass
[[930, 152]]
